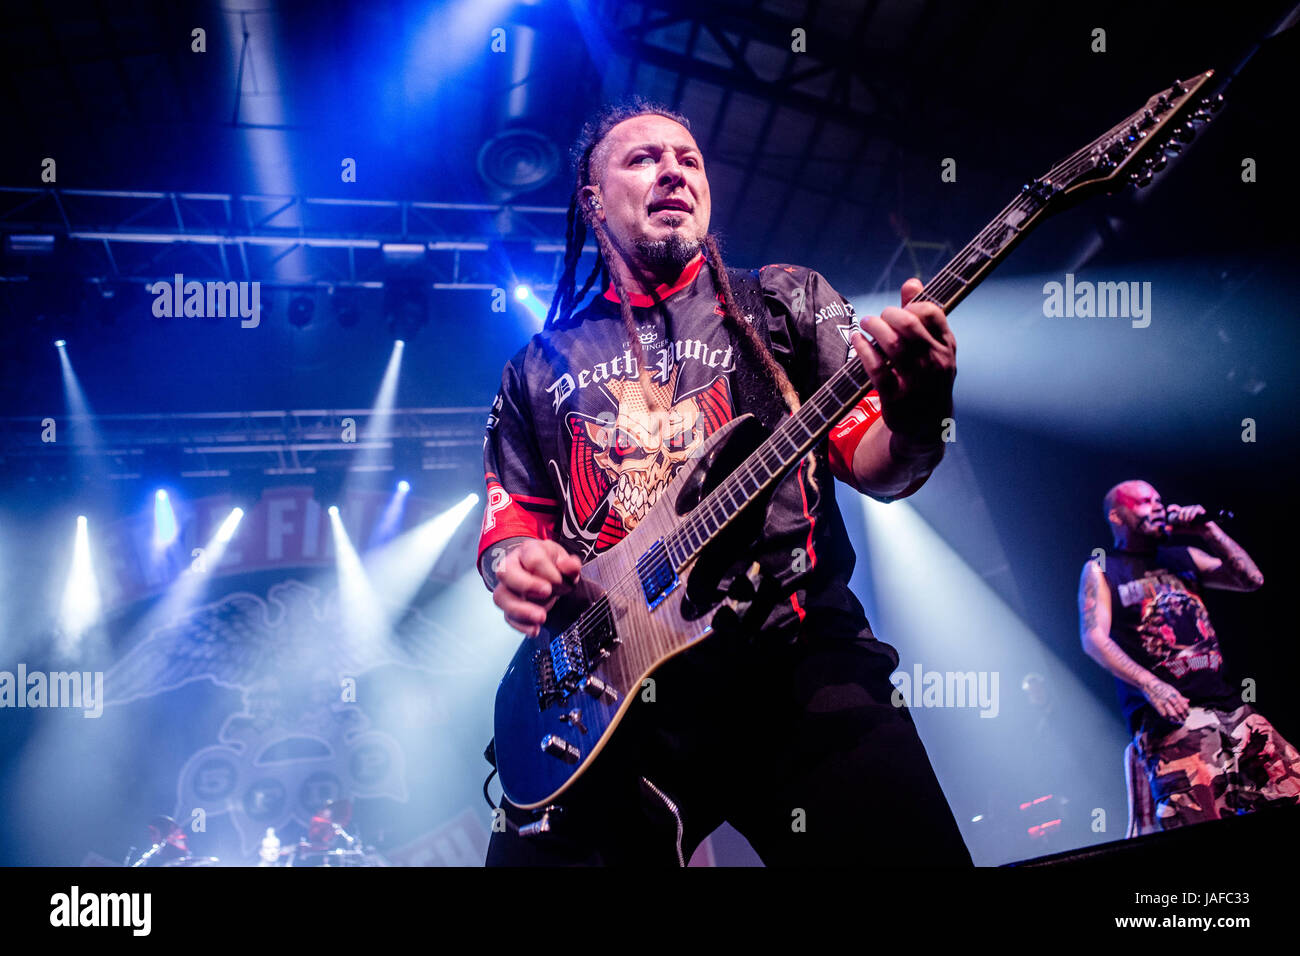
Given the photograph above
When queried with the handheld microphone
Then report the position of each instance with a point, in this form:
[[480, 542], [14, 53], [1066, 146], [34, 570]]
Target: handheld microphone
[[1221, 515]]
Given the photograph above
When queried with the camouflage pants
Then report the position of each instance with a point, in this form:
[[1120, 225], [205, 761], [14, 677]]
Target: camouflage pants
[[1218, 763]]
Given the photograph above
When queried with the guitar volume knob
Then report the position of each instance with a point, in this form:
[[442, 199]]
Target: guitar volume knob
[[561, 748], [598, 688]]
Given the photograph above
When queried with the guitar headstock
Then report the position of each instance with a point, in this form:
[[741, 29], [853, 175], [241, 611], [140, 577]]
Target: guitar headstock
[[1135, 149]]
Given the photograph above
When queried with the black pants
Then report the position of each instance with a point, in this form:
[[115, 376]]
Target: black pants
[[798, 747]]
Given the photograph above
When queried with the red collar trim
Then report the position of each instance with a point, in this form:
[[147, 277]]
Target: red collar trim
[[664, 291]]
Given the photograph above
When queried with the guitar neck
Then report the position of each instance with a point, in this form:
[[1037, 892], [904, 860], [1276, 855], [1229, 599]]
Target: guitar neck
[[790, 441], [1131, 151]]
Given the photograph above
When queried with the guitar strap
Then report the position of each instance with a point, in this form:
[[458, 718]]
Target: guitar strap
[[754, 390]]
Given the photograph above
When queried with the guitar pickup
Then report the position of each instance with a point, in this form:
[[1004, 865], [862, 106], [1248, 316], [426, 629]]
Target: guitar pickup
[[658, 577]]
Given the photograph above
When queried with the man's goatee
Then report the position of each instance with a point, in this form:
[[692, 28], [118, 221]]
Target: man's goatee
[[668, 257]]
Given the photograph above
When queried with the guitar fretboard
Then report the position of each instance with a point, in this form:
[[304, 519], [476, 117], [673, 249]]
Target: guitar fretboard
[[791, 440], [799, 432]]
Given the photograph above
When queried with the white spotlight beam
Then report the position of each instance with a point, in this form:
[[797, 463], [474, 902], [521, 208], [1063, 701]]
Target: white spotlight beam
[[365, 625], [401, 567], [190, 582], [80, 608], [944, 618], [373, 446]]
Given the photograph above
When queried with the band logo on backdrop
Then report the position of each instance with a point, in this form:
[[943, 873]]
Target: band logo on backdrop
[[300, 735]]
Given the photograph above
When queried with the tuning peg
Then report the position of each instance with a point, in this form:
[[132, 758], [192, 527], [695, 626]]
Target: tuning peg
[[1185, 134], [1156, 161], [1173, 147], [1141, 177], [1213, 103]]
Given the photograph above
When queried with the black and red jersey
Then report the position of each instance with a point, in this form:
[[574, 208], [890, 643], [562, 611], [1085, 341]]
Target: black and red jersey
[[573, 452]]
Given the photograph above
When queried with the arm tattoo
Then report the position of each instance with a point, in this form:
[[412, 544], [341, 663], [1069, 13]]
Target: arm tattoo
[[1112, 657], [1089, 601], [1237, 565], [1099, 645], [493, 557]]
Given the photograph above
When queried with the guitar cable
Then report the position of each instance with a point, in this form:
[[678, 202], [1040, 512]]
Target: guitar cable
[[490, 755]]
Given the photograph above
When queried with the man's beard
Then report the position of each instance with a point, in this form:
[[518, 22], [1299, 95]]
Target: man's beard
[[666, 258]]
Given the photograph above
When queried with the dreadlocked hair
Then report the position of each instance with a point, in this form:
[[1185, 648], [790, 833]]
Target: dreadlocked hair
[[580, 218]]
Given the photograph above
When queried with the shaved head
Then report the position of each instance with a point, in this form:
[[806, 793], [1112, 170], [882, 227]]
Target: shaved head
[[1134, 511], [1126, 493]]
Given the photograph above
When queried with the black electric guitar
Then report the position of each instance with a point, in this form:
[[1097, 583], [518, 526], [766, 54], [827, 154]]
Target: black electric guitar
[[565, 691]]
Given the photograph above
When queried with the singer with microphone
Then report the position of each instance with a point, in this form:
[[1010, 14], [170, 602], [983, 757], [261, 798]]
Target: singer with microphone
[[1141, 618]]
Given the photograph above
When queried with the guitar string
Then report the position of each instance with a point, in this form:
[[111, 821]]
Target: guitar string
[[1068, 167], [940, 283], [586, 622]]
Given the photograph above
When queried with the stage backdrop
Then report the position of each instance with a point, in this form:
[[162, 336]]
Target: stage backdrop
[[241, 690]]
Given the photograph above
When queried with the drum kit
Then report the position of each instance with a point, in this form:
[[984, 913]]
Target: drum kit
[[328, 843]]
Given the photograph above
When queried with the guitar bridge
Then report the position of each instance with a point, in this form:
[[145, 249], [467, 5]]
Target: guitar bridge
[[565, 665], [568, 661], [544, 675]]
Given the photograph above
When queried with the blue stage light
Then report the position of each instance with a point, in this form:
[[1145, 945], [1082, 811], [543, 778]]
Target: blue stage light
[[164, 520]]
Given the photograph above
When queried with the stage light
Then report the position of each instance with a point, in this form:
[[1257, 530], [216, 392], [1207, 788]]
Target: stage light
[[164, 520], [402, 253], [391, 520], [80, 608], [406, 307], [347, 306], [375, 450], [227, 529], [301, 309], [518, 160], [60, 343], [364, 620], [29, 245], [534, 306], [402, 566], [83, 428], [970, 633]]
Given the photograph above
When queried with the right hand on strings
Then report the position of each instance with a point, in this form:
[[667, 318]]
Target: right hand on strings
[[530, 579]]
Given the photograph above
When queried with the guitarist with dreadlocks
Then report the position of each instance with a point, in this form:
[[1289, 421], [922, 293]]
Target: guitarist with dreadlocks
[[787, 731]]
